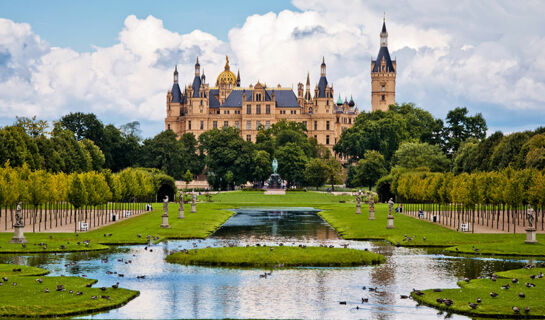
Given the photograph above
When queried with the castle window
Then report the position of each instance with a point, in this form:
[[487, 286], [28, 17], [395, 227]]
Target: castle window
[[383, 88], [327, 125], [189, 125], [257, 124], [218, 111], [168, 126], [310, 110], [326, 139], [225, 124], [215, 124], [258, 109], [249, 109], [327, 102], [201, 102], [349, 120], [267, 124], [383, 97], [248, 138], [237, 125], [315, 125], [268, 109], [316, 137], [337, 120], [249, 125], [202, 125], [258, 97]]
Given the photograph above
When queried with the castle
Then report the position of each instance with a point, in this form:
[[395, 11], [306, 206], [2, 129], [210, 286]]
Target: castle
[[202, 107]]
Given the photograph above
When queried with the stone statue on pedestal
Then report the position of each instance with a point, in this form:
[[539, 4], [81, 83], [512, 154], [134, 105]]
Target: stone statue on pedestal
[[530, 215], [371, 206], [358, 202], [181, 210], [18, 236], [194, 203], [390, 218], [164, 217]]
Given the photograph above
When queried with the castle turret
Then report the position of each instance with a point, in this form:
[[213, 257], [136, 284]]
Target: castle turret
[[383, 75]]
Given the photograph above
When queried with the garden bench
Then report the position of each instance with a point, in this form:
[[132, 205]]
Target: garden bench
[[83, 226]]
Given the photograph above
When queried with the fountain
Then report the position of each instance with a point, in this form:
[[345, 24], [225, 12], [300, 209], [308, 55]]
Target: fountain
[[274, 183]]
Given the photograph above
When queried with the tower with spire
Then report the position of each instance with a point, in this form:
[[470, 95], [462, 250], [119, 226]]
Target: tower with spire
[[383, 75]]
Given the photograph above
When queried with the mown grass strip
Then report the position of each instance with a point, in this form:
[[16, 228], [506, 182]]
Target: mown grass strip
[[277, 256], [518, 295], [27, 296]]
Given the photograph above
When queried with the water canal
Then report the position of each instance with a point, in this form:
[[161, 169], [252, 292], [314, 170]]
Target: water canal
[[175, 291]]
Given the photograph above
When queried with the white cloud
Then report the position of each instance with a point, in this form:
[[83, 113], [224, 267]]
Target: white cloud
[[473, 54]]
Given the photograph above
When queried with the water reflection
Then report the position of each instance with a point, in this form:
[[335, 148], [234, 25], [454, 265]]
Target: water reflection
[[174, 291]]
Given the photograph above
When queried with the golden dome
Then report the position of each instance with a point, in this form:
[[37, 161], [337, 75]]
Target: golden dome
[[227, 77]]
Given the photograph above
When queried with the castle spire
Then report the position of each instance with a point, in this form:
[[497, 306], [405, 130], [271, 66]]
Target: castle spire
[[238, 78], [197, 68], [384, 33], [308, 79], [176, 74], [322, 71]]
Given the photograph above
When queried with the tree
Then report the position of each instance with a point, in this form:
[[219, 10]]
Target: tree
[[34, 128], [226, 151], [76, 192], [461, 127], [164, 152], [370, 169], [96, 155], [316, 173], [412, 155], [385, 131], [84, 126], [131, 129], [334, 172], [508, 151], [533, 152], [291, 163], [17, 147], [193, 161], [187, 177], [262, 166]]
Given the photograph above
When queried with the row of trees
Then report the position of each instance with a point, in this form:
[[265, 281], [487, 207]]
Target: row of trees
[[507, 191], [77, 196]]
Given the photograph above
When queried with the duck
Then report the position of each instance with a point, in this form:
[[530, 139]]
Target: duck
[[116, 285], [493, 294], [516, 310], [472, 305], [46, 290], [522, 295]]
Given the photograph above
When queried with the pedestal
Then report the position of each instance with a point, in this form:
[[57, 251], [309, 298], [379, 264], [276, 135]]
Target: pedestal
[[358, 208], [165, 221], [390, 224], [372, 215], [531, 235], [193, 207], [181, 212], [18, 236]]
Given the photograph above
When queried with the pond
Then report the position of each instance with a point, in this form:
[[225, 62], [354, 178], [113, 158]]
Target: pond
[[175, 291]]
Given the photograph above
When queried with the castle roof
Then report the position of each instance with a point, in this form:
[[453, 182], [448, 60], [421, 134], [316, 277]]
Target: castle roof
[[196, 86], [383, 53], [283, 98], [176, 93], [322, 84]]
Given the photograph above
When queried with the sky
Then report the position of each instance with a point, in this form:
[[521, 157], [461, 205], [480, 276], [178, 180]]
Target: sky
[[116, 58]]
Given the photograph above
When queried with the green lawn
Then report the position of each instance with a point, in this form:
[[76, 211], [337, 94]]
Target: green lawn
[[208, 218], [277, 256], [28, 298], [338, 211], [500, 306]]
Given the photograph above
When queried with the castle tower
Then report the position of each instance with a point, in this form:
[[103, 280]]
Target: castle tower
[[383, 76]]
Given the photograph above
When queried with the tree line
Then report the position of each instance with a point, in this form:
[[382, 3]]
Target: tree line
[[60, 198], [479, 197]]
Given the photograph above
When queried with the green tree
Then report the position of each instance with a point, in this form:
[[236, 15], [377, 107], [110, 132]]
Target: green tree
[[334, 172], [461, 127], [164, 152], [370, 169], [508, 151], [533, 152], [291, 163], [187, 177], [464, 158], [316, 173], [412, 155], [76, 192], [262, 166], [34, 128], [84, 126], [96, 155]]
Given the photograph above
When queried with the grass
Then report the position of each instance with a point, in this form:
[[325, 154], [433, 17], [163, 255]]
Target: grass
[[338, 211], [208, 218], [279, 256], [500, 306], [28, 297], [7, 270]]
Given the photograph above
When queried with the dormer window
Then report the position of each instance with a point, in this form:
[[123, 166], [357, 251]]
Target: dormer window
[[258, 97]]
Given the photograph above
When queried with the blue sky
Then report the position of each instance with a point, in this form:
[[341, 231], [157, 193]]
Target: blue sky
[[115, 58], [83, 24]]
